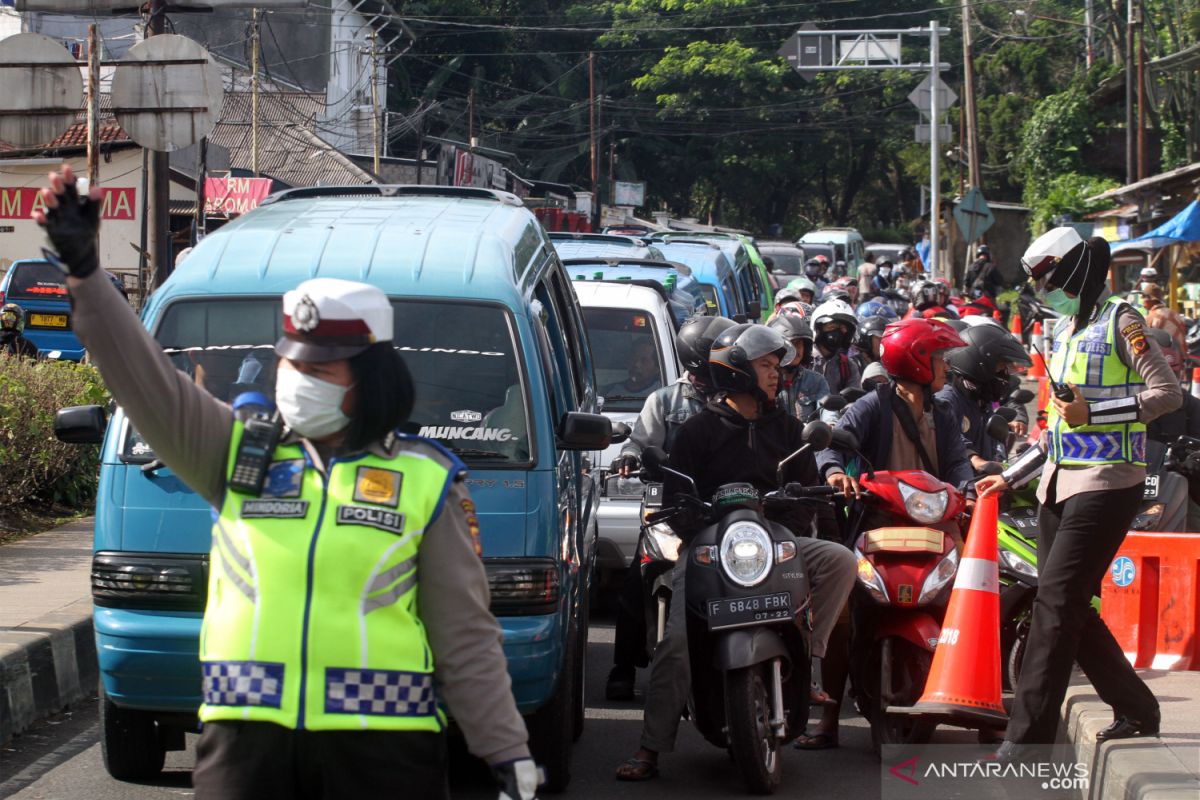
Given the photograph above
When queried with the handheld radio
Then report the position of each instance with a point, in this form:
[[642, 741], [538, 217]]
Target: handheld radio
[[1061, 390]]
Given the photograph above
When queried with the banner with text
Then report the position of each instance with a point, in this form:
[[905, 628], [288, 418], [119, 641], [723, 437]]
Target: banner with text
[[230, 197], [21, 202]]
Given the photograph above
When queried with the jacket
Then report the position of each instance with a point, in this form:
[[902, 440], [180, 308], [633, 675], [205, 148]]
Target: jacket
[[662, 416], [800, 397], [870, 419], [839, 371], [972, 416]]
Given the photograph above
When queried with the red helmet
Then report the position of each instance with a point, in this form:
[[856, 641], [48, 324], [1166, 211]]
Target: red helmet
[[907, 348]]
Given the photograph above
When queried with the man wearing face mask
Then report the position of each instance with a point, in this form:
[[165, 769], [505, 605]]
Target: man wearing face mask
[[834, 325], [319, 657], [801, 388], [1112, 380]]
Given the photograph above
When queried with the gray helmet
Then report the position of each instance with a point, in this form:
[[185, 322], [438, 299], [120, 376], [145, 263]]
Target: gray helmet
[[730, 361]]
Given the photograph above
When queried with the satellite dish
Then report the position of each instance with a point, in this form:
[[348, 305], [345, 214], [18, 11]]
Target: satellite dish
[[167, 92], [43, 89]]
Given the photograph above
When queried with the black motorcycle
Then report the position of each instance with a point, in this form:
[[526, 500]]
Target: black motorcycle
[[746, 587]]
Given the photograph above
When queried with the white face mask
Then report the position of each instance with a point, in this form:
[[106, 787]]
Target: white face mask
[[310, 406]]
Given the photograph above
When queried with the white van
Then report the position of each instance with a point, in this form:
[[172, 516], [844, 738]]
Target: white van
[[848, 243]]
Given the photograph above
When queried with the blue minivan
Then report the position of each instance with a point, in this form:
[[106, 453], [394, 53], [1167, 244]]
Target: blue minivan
[[710, 266], [493, 335], [40, 288]]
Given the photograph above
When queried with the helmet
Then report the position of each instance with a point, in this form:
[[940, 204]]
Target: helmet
[[792, 327], [834, 311], [802, 284], [738, 346], [694, 340], [1056, 252], [983, 250], [873, 372], [924, 293], [839, 267], [978, 362], [12, 317], [835, 292], [908, 347], [797, 307], [787, 295], [1149, 274], [871, 326], [875, 308], [815, 267]]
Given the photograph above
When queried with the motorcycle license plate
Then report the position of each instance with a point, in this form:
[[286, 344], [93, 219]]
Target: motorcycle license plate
[[742, 611], [1150, 488]]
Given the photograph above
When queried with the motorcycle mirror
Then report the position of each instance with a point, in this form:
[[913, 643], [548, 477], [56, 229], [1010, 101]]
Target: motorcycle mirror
[[817, 434], [834, 402], [997, 427], [852, 393], [620, 432], [1021, 397], [844, 440], [1008, 412]]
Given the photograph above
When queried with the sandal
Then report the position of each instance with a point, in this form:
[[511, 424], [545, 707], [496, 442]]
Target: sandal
[[637, 769], [816, 741]]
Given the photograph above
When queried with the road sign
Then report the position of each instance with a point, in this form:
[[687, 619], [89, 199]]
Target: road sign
[[42, 89], [87, 8], [921, 133], [869, 48], [167, 92], [919, 96], [803, 51], [973, 215]]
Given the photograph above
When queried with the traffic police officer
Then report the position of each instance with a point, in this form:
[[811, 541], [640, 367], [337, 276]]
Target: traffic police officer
[[1093, 457], [346, 595]]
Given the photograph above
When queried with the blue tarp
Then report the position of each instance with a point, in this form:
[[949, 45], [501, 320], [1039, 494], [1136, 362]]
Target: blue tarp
[[1183, 227]]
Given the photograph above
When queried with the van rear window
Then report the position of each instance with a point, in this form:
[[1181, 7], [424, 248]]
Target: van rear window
[[37, 280], [470, 394]]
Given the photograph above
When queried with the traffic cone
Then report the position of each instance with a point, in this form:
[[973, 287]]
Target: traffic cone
[[1196, 382], [1043, 395], [1038, 370], [964, 680], [1014, 325]]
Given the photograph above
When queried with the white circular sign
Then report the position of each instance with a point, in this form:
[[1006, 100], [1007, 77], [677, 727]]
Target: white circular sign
[[38, 76], [167, 106]]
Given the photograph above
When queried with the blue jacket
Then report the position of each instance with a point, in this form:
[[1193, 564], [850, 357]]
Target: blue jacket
[[870, 419]]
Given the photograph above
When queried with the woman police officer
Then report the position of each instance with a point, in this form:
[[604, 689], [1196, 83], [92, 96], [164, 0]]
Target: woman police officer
[[1093, 461], [319, 658]]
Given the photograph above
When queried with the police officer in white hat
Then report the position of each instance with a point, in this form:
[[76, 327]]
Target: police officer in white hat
[[322, 667]]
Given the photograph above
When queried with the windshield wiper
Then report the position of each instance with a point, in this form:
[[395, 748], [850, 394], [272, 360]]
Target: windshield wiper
[[608, 397], [469, 453]]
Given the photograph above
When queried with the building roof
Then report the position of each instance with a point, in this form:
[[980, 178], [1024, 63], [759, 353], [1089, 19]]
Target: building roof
[[75, 137], [1191, 171]]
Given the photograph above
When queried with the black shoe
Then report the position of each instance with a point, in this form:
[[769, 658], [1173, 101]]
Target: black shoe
[[620, 684], [1006, 753], [1126, 728]]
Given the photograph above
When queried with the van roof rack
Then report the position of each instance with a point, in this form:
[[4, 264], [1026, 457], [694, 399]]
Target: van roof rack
[[394, 190], [616, 261]]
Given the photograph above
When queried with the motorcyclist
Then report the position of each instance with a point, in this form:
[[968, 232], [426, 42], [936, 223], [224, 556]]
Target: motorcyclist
[[801, 388], [814, 270], [1159, 315], [658, 425], [741, 436], [866, 340], [834, 325], [786, 295], [873, 376], [926, 298], [13, 341], [983, 277], [979, 380], [806, 288], [883, 276]]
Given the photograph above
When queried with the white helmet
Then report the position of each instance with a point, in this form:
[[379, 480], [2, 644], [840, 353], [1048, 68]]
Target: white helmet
[[834, 311], [1149, 274]]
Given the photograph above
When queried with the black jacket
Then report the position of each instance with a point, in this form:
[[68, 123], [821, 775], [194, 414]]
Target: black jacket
[[720, 446], [972, 416], [13, 343]]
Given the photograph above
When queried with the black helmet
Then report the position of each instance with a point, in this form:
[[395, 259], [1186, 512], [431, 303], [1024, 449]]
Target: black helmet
[[978, 362], [694, 340], [868, 327], [735, 349], [12, 317], [792, 327]]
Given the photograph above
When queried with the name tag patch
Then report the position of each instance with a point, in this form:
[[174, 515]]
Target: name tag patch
[[390, 521], [378, 486], [1095, 348], [274, 509], [283, 478]]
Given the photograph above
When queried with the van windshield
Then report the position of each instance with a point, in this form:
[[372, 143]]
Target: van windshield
[[627, 358], [469, 391], [37, 280]]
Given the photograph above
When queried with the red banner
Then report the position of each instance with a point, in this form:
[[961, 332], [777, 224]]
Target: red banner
[[233, 196], [21, 202]]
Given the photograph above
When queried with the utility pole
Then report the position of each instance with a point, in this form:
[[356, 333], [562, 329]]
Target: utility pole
[[1087, 20], [374, 104], [935, 204], [972, 140], [1141, 94], [93, 107], [254, 43], [612, 175], [1130, 164], [471, 119], [592, 132], [160, 176], [201, 189]]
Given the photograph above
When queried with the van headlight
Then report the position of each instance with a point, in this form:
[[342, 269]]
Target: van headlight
[[150, 580], [924, 507], [746, 553]]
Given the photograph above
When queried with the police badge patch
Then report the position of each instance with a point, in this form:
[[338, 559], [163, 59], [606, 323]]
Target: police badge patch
[[284, 478], [378, 486]]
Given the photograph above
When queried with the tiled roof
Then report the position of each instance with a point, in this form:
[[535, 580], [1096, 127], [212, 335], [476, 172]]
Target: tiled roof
[[75, 137]]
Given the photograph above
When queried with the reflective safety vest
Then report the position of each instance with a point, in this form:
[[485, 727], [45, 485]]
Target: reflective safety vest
[[311, 621], [1089, 360]]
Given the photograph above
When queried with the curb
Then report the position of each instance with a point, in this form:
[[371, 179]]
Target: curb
[[45, 665], [1131, 769]]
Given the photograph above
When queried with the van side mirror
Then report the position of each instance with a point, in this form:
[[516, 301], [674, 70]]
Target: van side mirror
[[582, 431], [620, 433], [754, 309], [80, 424]]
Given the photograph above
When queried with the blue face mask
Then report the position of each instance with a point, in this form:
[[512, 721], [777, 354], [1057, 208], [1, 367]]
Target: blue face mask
[[1058, 300]]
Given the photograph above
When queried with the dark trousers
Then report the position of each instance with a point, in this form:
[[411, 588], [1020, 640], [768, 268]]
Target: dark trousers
[[253, 760], [629, 644], [1079, 539]]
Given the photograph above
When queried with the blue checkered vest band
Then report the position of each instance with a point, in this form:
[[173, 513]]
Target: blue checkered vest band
[[1089, 359], [311, 620]]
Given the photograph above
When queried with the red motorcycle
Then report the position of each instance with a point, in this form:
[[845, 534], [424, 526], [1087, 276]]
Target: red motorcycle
[[907, 537]]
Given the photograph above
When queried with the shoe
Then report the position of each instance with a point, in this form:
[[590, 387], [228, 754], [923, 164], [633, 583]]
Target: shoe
[[1006, 753], [1126, 728], [620, 684]]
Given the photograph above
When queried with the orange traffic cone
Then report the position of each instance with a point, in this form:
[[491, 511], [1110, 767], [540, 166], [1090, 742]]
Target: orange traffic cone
[[1014, 324], [1043, 395], [964, 680], [1038, 370], [1196, 382]]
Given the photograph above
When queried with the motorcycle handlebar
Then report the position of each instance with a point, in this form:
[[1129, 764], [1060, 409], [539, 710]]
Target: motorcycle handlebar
[[800, 490]]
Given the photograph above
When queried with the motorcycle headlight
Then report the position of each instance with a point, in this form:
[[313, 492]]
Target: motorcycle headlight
[[924, 507], [1148, 518], [1017, 564], [871, 579], [746, 553], [661, 543], [942, 574]]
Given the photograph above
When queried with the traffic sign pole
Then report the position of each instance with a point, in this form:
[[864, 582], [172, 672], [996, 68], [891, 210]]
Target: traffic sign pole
[[935, 205]]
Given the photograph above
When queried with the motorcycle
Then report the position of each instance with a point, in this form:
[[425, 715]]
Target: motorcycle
[[658, 553], [906, 534], [746, 587]]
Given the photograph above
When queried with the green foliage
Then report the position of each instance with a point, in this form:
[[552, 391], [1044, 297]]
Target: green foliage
[[37, 468], [1064, 193], [1053, 139]]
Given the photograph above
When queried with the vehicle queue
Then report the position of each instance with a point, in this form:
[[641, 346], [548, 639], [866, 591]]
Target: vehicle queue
[[545, 383]]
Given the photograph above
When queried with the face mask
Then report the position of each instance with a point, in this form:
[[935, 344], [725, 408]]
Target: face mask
[[1058, 300], [831, 341], [885, 272], [310, 406]]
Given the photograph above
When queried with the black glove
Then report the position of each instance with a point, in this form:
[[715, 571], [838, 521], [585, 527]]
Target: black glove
[[72, 228], [626, 460]]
